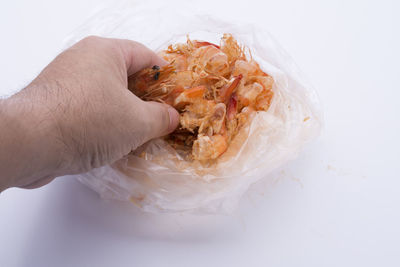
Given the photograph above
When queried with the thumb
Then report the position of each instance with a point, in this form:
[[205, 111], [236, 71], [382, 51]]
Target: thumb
[[162, 119]]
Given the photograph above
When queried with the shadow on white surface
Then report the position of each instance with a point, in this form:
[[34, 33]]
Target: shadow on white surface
[[74, 204], [73, 221]]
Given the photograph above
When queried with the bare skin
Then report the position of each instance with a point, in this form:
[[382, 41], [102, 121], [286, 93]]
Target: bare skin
[[78, 114]]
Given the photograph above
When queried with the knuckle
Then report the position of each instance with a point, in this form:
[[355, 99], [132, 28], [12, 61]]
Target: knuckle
[[97, 42], [91, 39], [102, 46]]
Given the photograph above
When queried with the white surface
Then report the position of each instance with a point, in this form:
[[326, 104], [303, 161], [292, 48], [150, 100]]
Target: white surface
[[337, 205]]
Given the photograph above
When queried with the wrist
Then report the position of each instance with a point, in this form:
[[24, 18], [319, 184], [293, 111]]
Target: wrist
[[29, 149]]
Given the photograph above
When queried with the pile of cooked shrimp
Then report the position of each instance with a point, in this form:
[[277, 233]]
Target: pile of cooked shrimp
[[215, 88]]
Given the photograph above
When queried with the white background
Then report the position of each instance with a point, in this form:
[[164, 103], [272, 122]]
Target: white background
[[336, 205]]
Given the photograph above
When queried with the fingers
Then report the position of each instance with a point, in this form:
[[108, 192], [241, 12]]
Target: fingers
[[162, 119], [137, 56]]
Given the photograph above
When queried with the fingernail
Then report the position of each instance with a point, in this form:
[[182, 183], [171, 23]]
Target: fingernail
[[173, 119]]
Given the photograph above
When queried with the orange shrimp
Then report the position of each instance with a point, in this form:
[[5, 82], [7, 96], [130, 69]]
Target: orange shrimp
[[179, 61], [209, 59], [215, 88], [264, 99], [232, 107], [209, 147], [189, 95], [196, 115], [228, 89], [152, 82], [203, 43], [248, 94]]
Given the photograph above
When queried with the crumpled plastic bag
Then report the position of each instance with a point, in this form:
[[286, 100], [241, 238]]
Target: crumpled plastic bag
[[161, 181]]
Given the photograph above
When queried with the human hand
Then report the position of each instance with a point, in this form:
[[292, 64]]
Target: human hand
[[78, 114]]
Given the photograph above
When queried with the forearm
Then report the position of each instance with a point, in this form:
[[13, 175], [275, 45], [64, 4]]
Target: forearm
[[26, 148]]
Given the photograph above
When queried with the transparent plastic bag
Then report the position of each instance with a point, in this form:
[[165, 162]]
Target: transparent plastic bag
[[161, 182]]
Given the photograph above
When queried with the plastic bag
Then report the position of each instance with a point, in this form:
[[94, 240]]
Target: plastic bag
[[161, 182]]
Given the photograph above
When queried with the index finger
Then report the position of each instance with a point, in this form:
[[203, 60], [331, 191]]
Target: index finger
[[137, 56]]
